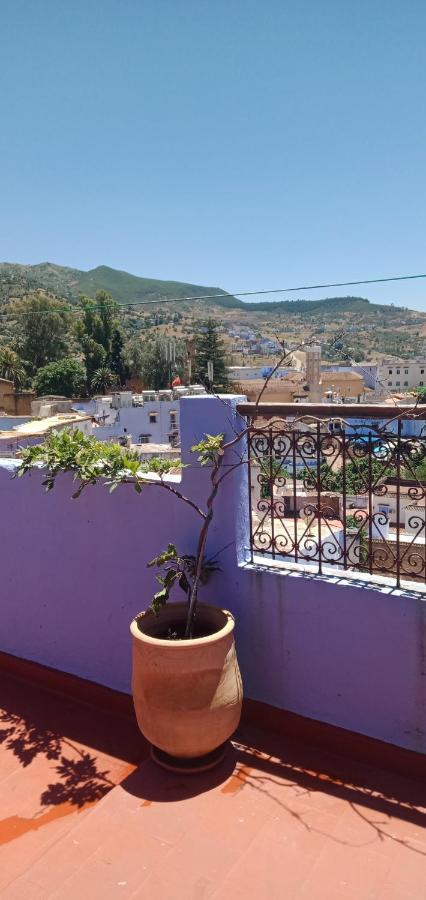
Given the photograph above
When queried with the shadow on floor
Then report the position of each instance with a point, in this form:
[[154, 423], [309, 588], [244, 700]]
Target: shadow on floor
[[38, 724], [275, 766]]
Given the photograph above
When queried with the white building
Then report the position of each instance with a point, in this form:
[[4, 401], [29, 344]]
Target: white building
[[151, 417], [402, 375], [390, 376], [36, 430]]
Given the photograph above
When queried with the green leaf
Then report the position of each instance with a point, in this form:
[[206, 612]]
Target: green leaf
[[184, 583], [209, 448], [159, 600], [170, 553]]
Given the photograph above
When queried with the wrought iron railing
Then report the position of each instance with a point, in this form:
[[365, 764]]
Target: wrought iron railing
[[339, 485]]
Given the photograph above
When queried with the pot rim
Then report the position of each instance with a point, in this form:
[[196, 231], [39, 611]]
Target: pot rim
[[186, 642]]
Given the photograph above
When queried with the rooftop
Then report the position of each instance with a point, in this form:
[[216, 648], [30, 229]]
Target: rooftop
[[86, 813], [321, 794], [36, 427]]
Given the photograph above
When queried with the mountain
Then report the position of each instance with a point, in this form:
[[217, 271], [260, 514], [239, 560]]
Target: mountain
[[66, 282], [125, 288]]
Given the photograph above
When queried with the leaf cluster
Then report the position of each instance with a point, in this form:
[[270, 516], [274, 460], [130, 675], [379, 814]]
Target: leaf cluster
[[90, 461], [177, 569], [209, 449]]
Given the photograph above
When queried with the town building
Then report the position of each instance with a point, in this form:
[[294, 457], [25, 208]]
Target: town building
[[13, 402], [295, 387], [32, 430], [399, 375], [151, 417], [238, 374]]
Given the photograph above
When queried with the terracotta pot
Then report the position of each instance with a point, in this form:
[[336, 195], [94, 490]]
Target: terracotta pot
[[187, 693]]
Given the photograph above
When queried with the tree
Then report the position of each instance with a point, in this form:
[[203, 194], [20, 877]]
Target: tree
[[155, 368], [209, 347], [117, 358], [419, 471], [42, 324], [66, 377], [271, 470], [134, 356], [11, 367], [327, 480], [100, 336], [103, 380], [359, 471], [357, 475], [94, 357]]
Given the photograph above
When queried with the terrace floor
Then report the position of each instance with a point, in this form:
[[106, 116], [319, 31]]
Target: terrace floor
[[85, 813]]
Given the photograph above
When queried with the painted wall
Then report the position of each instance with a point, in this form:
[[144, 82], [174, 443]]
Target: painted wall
[[135, 420], [74, 574]]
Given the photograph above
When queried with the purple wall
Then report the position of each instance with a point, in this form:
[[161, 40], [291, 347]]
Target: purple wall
[[73, 575]]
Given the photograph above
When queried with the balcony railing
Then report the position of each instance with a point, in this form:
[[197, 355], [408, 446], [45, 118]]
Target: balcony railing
[[340, 486]]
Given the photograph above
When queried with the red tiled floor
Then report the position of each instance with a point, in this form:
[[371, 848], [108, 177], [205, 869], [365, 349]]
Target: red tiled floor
[[277, 819], [58, 758]]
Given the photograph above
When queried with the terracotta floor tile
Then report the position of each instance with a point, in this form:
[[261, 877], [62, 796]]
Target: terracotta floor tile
[[57, 758], [22, 889], [113, 871], [277, 819], [164, 886], [408, 867], [342, 867], [400, 892]]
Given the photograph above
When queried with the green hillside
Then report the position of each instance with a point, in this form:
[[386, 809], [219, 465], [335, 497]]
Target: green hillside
[[127, 289]]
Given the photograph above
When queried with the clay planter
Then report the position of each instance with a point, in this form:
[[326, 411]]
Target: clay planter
[[187, 693]]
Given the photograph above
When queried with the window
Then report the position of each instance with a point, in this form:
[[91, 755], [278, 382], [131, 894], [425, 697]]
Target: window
[[390, 371], [144, 438], [397, 383], [422, 371], [398, 371], [405, 371], [406, 383], [152, 418], [389, 384], [421, 383]]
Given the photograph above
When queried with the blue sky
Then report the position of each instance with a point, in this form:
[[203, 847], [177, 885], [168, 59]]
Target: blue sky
[[242, 143]]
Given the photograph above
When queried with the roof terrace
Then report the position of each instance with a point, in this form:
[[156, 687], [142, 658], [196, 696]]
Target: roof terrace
[[321, 793]]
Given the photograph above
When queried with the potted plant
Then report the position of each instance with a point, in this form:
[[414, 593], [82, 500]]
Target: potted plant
[[186, 682]]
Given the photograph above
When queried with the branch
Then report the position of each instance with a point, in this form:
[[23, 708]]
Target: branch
[[168, 487]]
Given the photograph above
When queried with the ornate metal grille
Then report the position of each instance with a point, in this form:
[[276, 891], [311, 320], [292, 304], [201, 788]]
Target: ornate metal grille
[[329, 489]]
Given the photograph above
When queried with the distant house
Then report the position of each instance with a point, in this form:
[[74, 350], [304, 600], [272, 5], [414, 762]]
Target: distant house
[[13, 402]]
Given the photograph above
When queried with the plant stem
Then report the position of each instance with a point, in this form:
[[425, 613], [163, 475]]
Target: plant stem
[[202, 541]]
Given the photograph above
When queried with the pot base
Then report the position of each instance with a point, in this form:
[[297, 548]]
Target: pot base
[[192, 765]]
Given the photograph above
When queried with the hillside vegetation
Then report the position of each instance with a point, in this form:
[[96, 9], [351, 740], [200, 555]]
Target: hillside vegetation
[[125, 288], [69, 283], [367, 330]]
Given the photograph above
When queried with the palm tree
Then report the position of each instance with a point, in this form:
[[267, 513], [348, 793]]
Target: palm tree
[[103, 380], [11, 366]]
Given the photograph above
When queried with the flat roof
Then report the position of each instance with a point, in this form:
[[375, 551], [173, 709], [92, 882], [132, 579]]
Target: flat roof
[[41, 426]]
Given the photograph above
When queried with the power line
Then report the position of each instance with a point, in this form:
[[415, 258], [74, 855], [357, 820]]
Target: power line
[[222, 295]]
